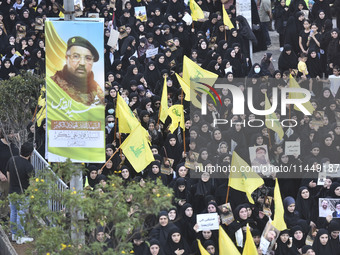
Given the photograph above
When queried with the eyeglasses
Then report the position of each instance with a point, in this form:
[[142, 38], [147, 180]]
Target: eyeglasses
[[157, 103], [112, 121], [76, 58]]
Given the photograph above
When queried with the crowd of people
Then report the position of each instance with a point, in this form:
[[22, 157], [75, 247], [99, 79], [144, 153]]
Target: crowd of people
[[310, 52]]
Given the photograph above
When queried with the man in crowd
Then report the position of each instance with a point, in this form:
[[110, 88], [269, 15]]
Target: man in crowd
[[7, 149], [19, 169], [77, 78]]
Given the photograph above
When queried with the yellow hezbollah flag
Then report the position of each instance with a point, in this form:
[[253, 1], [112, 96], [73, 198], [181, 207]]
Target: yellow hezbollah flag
[[184, 86], [249, 246], [87, 183], [42, 97], [226, 246], [201, 248], [126, 119], [278, 221], [188, 90], [226, 19], [41, 115], [192, 74], [176, 114], [164, 102], [61, 15], [242, 180], [297, 95], [196, 11], [136, 149], [271, 120], [42, 103]]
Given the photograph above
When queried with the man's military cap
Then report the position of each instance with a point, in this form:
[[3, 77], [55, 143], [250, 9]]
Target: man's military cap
[[80, 41]]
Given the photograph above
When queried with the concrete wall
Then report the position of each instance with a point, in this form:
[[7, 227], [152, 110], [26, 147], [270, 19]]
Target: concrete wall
[[6, 247]]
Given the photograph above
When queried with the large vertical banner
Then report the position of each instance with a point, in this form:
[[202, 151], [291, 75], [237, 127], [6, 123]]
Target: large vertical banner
[[244, 8], [75, 90]]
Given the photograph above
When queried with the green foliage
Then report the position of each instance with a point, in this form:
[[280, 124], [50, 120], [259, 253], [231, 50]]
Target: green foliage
[[18, 99], [120, 209]]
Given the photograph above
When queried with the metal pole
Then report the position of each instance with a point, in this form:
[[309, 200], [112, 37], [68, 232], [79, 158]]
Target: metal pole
[[251, 51], [69, 10], [77, 217], [76, 183]]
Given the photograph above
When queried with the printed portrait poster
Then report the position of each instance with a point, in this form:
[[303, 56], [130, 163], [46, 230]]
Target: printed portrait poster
[[140, 13], [75, 90], [259, 155], [268, 238], [329, 207]]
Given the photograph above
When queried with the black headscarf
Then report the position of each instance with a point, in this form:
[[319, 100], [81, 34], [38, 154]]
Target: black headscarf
[[334, 243], [4, 72], [184, 195], [3, 41], [304, 206], [125, 181], [292, 32], [159, 175], [333, 188], [286, 61], [92, 182], [314, 65], [171, 246], [187, 224], [173, 152], [329, 151], [161, 66], [291, 218], [156, 242], [236, 63], [297, 244], [129, 76], [282, 248], [161, 233], [204, 188], [318, 247], [151, 76]]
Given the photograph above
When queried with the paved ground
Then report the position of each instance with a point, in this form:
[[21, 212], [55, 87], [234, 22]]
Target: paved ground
[[23, 249], [274, 49]]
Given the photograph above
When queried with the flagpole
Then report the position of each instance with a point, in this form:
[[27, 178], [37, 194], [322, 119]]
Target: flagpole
[[184, 144], [270, 142], [160, 108], [226, 200], [159, 113], [115, 130], [120, 143], [35, 111], [110, 158], [290, 76]]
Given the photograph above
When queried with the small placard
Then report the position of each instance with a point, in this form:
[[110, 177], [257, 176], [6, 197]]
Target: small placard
[[292, 148], [113, 39], [93, 15], [207, 221], [227, 216], [151, 52]]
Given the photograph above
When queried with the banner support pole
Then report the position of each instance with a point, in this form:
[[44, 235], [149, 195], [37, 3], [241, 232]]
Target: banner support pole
[[76, 182]]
